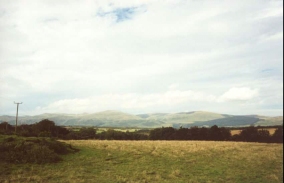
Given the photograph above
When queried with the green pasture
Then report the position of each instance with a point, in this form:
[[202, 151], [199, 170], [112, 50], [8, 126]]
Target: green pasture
[[156, 161]]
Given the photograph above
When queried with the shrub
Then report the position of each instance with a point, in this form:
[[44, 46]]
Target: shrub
[[278, 135], [32, 150]]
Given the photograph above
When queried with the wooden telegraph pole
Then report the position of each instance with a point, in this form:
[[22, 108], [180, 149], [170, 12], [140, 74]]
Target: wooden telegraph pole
[[17, 115]]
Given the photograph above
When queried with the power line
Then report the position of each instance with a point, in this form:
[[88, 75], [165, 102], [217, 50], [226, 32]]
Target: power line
[[17, 115]]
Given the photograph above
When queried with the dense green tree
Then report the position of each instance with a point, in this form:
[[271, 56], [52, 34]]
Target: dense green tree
[[263, 135], [182, 134], [87, 133], [164, 133], [249, 134], [225, 133], [204, 133], [44, 125], [193, 133], [215, 133], [278, 135], [5, 127]]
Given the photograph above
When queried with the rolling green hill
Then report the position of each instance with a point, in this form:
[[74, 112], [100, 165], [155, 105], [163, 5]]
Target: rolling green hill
[[120, 119], [267, 121], [228, 121], [189, 117]]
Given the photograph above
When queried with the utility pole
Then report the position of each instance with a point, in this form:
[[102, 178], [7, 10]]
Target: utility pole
[[17, 115]]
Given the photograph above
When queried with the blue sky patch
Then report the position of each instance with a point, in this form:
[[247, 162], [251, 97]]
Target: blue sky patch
[[124, 13], [121, 14], [267, 70]]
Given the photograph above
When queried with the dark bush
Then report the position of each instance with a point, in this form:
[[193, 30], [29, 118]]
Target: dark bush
[[87, 133], [278, 135], [32, 150]]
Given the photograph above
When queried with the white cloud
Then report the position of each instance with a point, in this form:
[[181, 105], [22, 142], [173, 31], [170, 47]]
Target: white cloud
[[239, 94], [275, 37], [164, 54], [173, 86], [157, 102], [126, 101]]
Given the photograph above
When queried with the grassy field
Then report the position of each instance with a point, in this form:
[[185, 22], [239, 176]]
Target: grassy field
[[157, 161]]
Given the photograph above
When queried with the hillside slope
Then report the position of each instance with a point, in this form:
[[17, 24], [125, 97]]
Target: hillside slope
[[120, 119]]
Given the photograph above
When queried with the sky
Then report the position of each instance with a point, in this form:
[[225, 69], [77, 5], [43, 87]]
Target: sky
[[83, 56]]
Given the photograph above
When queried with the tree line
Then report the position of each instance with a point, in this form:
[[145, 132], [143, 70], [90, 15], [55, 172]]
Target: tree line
[[247, 134], [47, 128]]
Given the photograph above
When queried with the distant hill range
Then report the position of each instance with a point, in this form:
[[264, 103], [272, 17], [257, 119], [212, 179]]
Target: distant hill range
[[120, 119]]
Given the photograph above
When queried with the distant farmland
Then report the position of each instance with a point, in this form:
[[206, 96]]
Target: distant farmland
[[236, 132]]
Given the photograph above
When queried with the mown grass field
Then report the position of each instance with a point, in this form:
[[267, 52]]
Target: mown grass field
[[157, 161]]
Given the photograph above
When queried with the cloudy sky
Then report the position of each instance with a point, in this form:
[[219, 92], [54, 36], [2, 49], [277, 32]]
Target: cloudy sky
[[138, 57]]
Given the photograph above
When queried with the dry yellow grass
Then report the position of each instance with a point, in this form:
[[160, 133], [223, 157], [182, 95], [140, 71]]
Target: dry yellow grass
[[271, 130], [179, 149], [235, 132]]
